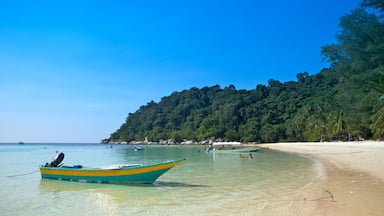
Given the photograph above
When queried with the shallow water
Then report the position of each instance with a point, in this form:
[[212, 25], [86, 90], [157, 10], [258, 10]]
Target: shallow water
[[215, 183]]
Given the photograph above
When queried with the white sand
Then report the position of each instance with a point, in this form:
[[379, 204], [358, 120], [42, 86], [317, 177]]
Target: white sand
[[355, 175], [367, 156]]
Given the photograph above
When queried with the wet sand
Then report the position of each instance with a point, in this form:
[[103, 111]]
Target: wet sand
[[353, 178]]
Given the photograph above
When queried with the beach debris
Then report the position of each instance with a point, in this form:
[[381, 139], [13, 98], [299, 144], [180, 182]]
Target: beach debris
[[325, 197]]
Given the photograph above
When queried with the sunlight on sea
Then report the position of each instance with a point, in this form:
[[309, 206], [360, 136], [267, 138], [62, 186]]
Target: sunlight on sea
[[215, 183]]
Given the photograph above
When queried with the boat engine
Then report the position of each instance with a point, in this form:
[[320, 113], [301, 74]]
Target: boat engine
[[57, 161]]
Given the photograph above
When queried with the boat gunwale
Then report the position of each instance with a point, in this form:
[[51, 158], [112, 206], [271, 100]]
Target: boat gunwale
[[134, 166], [54, 172]]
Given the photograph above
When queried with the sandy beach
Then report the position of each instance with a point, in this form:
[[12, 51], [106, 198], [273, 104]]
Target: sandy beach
[[353, 174]]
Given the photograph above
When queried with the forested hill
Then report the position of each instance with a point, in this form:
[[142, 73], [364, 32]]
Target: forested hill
[[344, 101]]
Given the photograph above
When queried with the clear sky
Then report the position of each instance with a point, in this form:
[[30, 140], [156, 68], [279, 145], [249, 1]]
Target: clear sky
[[71, 71]]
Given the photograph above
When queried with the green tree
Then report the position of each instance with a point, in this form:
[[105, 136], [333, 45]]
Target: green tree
[[378, 117], [339, 124], [376, 4], [361, 41]]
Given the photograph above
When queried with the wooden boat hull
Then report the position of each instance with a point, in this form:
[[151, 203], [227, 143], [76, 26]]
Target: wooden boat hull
[[126, 174]]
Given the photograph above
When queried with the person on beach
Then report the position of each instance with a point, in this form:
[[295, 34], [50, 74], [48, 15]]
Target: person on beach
[[250, 156]]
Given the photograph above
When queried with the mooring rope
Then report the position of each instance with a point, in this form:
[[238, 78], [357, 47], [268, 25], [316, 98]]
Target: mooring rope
[[23, 174]]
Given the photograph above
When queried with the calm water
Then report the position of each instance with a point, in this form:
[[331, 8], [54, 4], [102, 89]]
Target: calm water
[[218, 183]]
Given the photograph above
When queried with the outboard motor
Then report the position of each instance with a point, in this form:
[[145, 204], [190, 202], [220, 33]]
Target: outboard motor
[[57, 161]]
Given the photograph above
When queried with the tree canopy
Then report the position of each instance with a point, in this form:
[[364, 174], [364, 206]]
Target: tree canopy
[[345, 100]]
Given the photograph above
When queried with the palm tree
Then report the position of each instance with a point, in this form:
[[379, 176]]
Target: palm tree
[[339, 125], [378, 118]]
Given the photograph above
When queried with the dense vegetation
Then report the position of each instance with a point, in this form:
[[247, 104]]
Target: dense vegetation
[[344, 101]]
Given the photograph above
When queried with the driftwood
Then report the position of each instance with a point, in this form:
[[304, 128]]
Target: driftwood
[[330, 196], [325, 197]]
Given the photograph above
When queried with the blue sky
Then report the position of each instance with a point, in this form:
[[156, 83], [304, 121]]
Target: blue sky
[[71, 71]]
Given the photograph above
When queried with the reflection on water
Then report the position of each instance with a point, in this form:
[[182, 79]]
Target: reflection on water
[[58, 185], [215, 183]]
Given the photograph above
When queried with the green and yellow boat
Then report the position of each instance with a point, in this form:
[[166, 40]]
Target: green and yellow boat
[[118, 174]]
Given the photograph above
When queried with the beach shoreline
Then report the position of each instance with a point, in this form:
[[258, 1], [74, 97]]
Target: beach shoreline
[[365, 156], [353, 175]]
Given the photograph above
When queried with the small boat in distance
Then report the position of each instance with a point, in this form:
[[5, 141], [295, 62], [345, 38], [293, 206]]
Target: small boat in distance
[[117, 174], [21, 143], [224, 145], [254, 150]]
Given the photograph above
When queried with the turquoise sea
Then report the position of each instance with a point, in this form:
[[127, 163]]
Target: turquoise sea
[[215, 183]]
